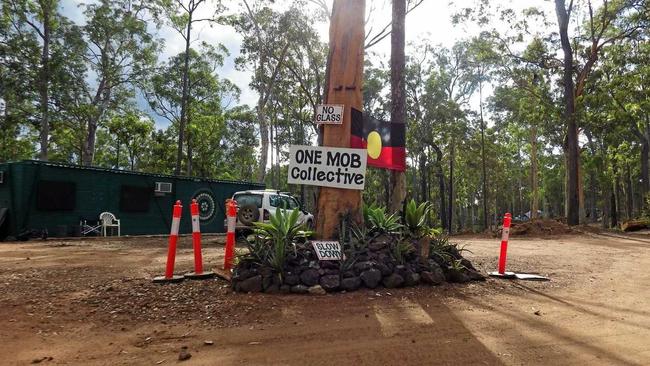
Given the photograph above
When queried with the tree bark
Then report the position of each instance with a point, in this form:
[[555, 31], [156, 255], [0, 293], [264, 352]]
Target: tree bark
[[44, 80], [629, 194], [345, 87], [441, 187], [483, 165], [100, 102], [534, 204], [451, 188], [571, 148], [184, 97], [423, 178], [398, 95]]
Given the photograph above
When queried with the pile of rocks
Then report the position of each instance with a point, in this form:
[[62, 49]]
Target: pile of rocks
[[370, 267]]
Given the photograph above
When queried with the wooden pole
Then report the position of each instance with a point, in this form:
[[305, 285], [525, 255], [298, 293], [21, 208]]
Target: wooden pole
[[344, 87]]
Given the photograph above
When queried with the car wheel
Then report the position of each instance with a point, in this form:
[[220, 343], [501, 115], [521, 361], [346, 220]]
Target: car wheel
[[248, 214]]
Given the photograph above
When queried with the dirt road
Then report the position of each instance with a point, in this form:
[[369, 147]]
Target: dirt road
[[92, 303]]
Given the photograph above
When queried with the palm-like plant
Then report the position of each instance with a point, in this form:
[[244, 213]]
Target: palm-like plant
[[381, 222], [281, 232], [415, 218]]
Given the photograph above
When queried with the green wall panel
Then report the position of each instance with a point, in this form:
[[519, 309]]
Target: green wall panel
[[99, 190]]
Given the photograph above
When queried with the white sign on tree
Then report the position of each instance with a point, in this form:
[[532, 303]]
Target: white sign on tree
[[330, 114], [327, 166]]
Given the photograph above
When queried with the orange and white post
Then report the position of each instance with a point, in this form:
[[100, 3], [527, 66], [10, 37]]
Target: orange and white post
[[231, 217], [196, 244], [171, 251], [505, 235]]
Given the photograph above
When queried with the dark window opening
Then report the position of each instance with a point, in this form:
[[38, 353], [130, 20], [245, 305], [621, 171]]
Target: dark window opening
[[56, 196], [135, 199]]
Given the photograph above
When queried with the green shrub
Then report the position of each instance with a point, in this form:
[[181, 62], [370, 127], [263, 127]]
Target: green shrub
[[401, 250], [273, 240], [378, 221], [415, 218]]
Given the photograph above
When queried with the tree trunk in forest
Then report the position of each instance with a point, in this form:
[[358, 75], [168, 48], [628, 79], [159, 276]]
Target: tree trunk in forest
[[398, 96], [606, 204], [629, 194], [616, 208], [264, 140], [423, 178], [534, 202], [44, 81], [593, 216], [645, 177], [345, 87], [184, 98], [571, 148], [441, 187], [100, 102], [581, 194], [450, 228], [613, 208], [484, 171]]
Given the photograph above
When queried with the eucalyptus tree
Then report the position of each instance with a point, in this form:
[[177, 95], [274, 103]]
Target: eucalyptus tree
[[208, 97], [121, 53], [605, 25], [183, 16], [42, 18]]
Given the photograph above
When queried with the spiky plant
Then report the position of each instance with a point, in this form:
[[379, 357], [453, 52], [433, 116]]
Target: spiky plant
[[415, 218]]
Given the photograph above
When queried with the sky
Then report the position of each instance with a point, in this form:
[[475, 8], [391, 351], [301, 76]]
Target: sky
[[431, 20]]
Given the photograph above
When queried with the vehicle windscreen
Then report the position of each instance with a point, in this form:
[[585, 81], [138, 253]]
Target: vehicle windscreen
[[245, 199]]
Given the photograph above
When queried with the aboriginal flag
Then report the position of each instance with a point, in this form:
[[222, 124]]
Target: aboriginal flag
[[385, 141]]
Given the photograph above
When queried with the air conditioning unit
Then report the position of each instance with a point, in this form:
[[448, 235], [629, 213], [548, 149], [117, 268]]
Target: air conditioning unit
[[2, 177], [163, 187]]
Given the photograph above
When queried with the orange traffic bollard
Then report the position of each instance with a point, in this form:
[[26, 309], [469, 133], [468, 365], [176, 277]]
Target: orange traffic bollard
[[505, 235], [171, 252], [231, 213], [196, 244]]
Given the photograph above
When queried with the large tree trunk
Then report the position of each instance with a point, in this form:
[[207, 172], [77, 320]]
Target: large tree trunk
[[184, 99], [629, 194], [424, 186], [44, 81], [345, 87], [264, 140], [398, 95], [100, 102], [483, 165], [534, 204], [441, 187], [645, 178], [450, 228], [571, 149]]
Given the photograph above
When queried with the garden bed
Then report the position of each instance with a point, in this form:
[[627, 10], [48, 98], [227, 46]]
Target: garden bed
[[382, 252]]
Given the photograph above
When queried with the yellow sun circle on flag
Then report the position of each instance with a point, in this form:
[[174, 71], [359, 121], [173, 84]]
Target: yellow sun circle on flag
[[374, 144]]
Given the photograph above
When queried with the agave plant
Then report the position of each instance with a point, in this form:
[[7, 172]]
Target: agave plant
[[401, 250], [415, 218], [273, 239], [380, 222]]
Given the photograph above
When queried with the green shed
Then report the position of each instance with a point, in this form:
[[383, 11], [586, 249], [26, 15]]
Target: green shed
[[36, 195]]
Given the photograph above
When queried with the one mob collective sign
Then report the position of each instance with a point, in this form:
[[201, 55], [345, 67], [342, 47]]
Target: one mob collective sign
[[327, 166]]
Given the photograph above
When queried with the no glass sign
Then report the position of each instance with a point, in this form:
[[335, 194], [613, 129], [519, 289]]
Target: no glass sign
[[329, 114]]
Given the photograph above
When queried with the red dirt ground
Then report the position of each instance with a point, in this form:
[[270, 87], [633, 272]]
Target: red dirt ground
[[91, 302]]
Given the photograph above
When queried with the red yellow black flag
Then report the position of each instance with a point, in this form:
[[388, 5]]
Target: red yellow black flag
[[385, 141]]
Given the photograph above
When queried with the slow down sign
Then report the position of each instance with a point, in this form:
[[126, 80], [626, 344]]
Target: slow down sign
[[328, 250]]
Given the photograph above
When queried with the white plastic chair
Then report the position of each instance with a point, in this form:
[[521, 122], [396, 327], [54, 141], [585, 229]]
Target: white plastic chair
[[109, 220]]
